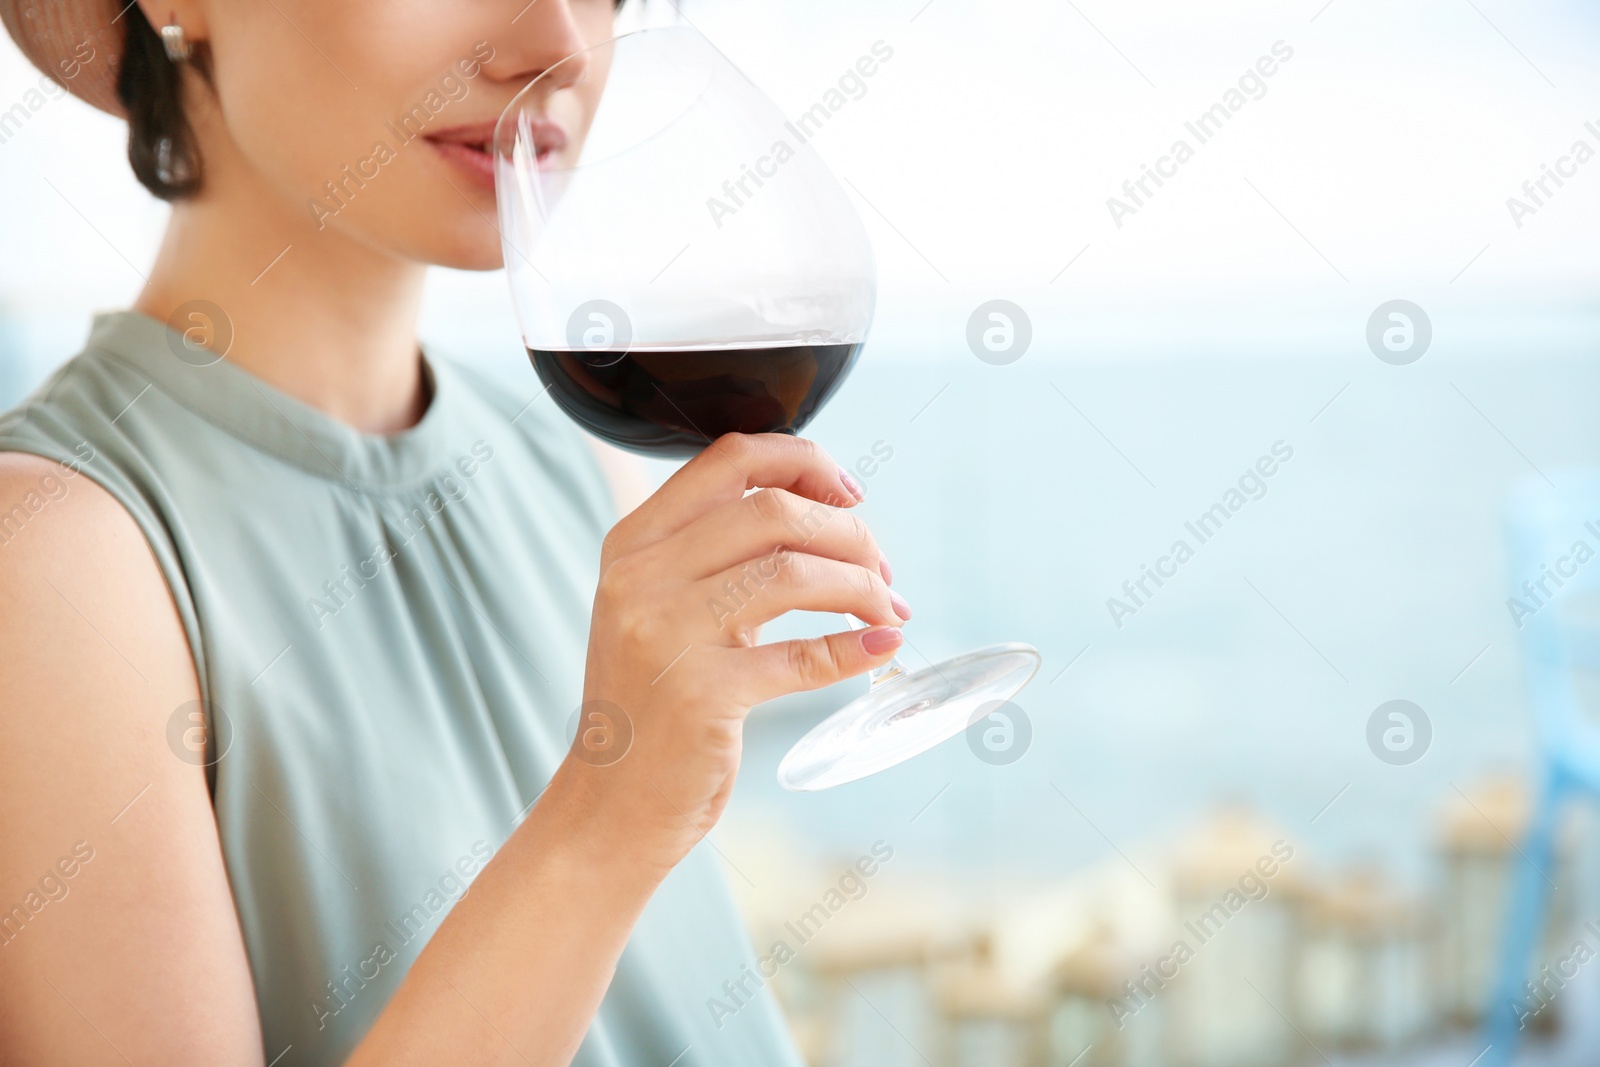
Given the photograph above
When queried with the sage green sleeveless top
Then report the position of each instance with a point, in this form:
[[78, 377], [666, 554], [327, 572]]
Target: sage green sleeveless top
[[390, 634]]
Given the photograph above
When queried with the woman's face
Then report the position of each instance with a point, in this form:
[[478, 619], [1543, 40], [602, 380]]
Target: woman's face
[[372, 117]]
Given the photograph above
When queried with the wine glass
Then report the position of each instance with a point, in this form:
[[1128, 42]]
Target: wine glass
[[684, 265]]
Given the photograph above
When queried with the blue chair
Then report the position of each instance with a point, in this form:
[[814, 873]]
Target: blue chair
[[1558, 643]]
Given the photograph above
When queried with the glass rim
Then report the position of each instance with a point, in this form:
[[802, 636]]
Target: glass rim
[[520, 98]]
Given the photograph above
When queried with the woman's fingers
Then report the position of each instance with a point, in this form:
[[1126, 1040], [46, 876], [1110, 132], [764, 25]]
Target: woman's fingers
[[783, 667], [721, 474], [760, 524], [755, 592]]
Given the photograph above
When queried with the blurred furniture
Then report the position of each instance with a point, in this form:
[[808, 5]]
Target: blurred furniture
[[1479, 824], [987, 1020], [1079, 1027], [1234, 1003], [880, 995], [1364, 978], [1547, 521]]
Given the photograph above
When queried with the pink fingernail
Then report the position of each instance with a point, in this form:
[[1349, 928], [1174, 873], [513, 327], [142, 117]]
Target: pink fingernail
[[851, 484], [884, 639], [883, 569], [901, 608]]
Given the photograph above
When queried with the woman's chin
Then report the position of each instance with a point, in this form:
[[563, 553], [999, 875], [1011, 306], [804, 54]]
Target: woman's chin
[[471, 256], [466, 243], [465, 239]]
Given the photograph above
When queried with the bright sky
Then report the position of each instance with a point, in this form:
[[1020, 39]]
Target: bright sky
[[1377, 164]]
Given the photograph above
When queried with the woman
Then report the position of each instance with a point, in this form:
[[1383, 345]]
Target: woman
[[293, 638]]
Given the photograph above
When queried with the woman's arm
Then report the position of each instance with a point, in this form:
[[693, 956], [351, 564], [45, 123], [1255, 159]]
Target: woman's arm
[[142, 960], [517, 970]]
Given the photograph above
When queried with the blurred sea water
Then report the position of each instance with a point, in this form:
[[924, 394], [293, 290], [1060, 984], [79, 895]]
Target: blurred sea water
[[1369, 567]]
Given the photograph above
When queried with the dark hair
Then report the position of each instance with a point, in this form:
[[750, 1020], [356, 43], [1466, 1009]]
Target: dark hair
[[161, 143]]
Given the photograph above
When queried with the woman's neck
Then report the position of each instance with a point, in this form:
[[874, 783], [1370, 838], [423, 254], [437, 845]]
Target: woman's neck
[[322, 317]]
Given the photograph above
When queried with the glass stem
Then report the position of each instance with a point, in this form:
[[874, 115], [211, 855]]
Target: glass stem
[[878, 675]]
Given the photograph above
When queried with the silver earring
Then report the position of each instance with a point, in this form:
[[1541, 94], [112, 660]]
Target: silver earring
[[172, 39]]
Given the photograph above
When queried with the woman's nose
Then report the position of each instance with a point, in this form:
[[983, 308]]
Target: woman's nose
[[540, 36]]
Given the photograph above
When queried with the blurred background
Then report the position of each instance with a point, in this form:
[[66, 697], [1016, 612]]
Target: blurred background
[[1207, 834]]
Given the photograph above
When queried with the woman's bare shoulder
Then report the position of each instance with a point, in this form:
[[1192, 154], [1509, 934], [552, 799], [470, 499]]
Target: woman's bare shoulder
[[100, 805], [32, 486], [57, 522]]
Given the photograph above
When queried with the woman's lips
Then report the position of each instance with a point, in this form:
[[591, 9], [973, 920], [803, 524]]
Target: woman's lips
[[472, 160], [471, 148]]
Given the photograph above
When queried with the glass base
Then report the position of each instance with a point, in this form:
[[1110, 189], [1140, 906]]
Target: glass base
[[906, 715]]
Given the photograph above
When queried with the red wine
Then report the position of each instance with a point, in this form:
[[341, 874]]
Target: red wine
[[673, 402]]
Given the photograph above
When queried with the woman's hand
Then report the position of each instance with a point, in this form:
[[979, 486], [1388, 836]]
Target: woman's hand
[[686, 581]]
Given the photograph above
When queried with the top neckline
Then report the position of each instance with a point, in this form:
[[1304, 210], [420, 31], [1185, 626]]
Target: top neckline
[[266, 417]]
